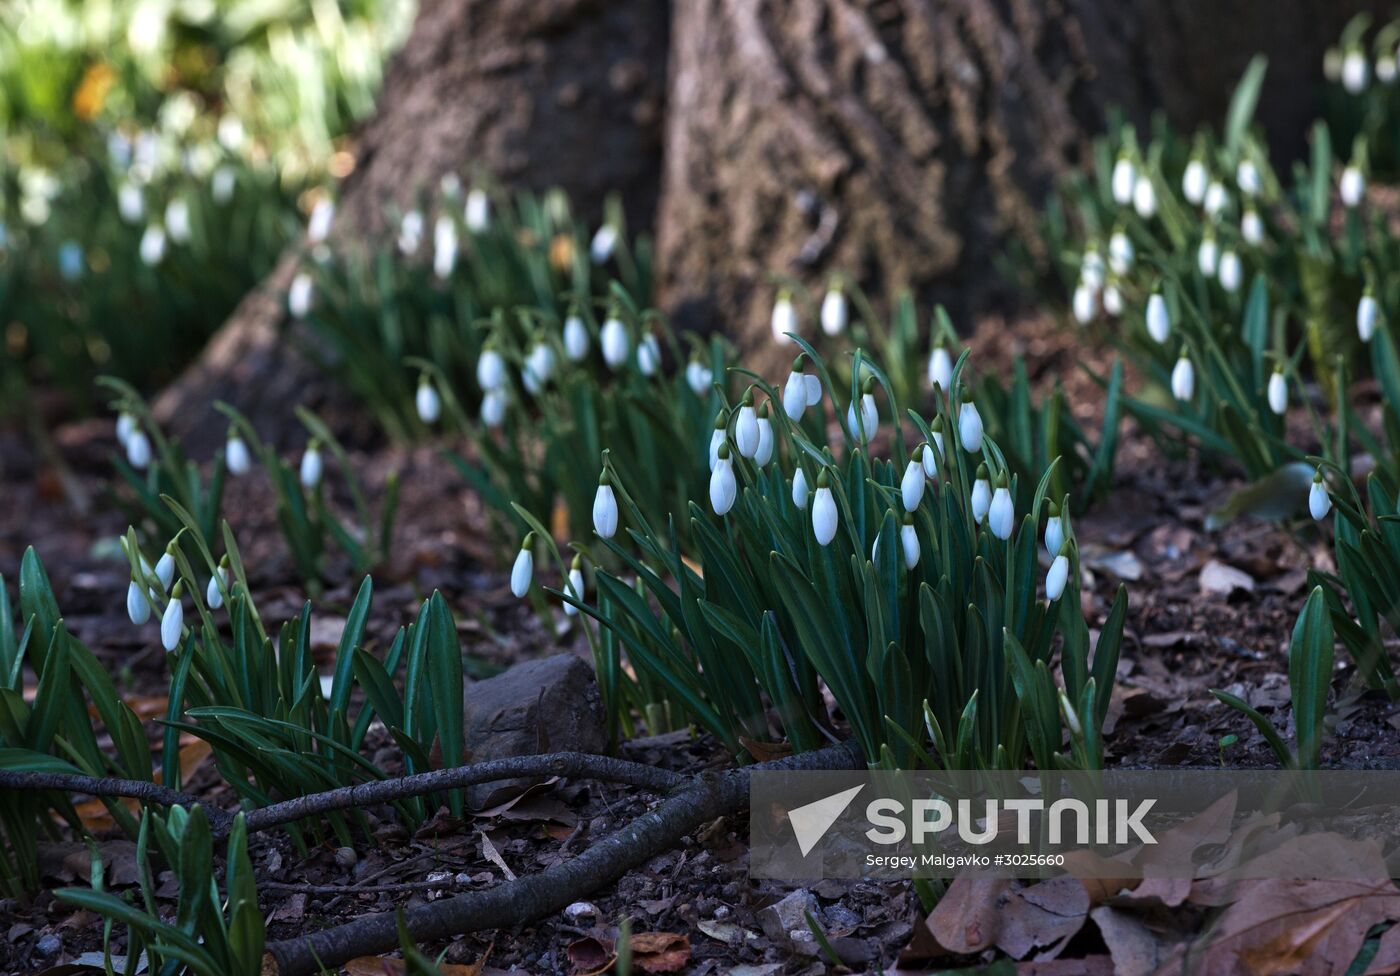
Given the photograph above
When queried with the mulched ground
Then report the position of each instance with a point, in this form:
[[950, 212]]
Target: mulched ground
[[1184, 638]]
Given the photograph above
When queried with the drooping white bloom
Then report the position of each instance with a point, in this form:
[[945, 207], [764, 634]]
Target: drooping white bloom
[[318, 225], [835, 311], [1145, 197], [478, 211], [1230, 271], [1386, 68], [493, 408], [604, 242], [1159, 323], [1252, 227], [445, 246], [1355, 71], [1057, 577], [911, 486], [222, 184], [746, 427], [1366, 312], [784, 318], [213, 593], [310, 471], [1124, 176], [152, 246], [940, 369], [490, 370], [237, 458], [931, 458], [649, 354], [172, 622], [138, 605], [575, 587], [868, 424], [177, 220], [909, 543], [1216, 199], [427, 400], [1319, 501], [1001, 513], [1183, 378], [616, 345], [1112, 300], [605, 508], [1120, 253], [969, 425], [1278, 392], [981, 495], [130, 203], [138, 450], [1193, 181], [723, 488], [764, 454], [126, 423], [1054, 530], [411, 232], [1353, 187], [538, 367], [1208, 256], [824, 514], [698, 377], [1091, 269], [1083, 304], [575, 338], [800, 491], [299, 295], [1247, 178], [717, 437], [522, 573]]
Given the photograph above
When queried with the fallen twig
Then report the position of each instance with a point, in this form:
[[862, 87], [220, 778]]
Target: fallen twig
[[526, 899], [100, 786]]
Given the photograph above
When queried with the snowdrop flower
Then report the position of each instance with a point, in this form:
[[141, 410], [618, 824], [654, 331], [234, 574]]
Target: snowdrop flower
[[1054, 529], [1230, 271], [1057, 577], [800, 491], [605, 507], [1353, 186], [1252, 228], [138, 604], [746, 427], [1183, 378], [1001, 514], [236, 456], [931, 457], [868, 424], [575, 338], [1278, 392], [444, 246], [835, 312], [222, 184], [1366, 311], [214, 592], [427, 400], [523, 571], [493, 408], [1159, 323], [172, 622], [1355, 71], [1091, 269], [538, 367], [318, 225], [1124, 177], [649, 354], [410, 232], [969, 424], [1208, 256], [1193, 181], [616, 345], [718, 437], [911, 486], [126, 424], [1145, 197], [575, 587], [981, 494], [764, 454], [800, 391], [824, 515], [1083, 304], [1113, 300], [299, 295], [604, 242], [478, 211], [723, 488], [1216, 198], [152, 247], [909, 542], [310, 472], [1247, 178], [130, 203], [784, 318], [1319, 501], [1120, 253], [138, 450], [490, 370], [1386, 68], [940, 369], [177, 220], [698, 377]]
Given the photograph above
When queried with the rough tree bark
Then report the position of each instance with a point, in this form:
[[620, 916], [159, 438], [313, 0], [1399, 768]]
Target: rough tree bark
[[900, 141]]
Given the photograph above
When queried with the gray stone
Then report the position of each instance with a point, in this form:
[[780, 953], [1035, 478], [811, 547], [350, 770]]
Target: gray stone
[[788, 915]]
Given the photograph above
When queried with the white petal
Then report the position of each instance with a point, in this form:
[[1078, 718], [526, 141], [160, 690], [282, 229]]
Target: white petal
[[575, 590], [1001, 514], [1056, 578], [522, 573], [824, 516], [970, 428], [723, 488], [800, 492], [236, 456], [746, 432], [981, 499], [911, 486], [764, 454], [1319, 501], [172, 623], [165, 570], [605, 512], [909, 540], [138, 606]]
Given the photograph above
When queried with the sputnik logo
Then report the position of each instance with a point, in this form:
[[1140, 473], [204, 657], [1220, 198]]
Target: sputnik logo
[[811, 821]]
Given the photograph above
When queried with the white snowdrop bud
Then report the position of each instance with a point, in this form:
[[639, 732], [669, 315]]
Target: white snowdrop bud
[[605, 507], [835, 311], [1145, 197], [1083, 304], [427, 400], [723, 488], [931, 456], [490, 370], [130, 203], [575, 586], [940, 369], [1159, 324], [1366, 311], [299, 295], [718, 436], [1247, 178], [1252, 227], [1054, 529], [981, 495], [604, 243], [1120, 253], [1208, 256], [1278, 392], [911, 486], [824, 514], [784, 318], [1057, 577], [1113, 300], [318, 225], [538, 367], [649, 355], [411, 233], [1001, 513], [152, 247], [138, 605], [616, 345], [969, 424], [1183, 378], [746, 427], [1193, 181], [493, 408], [237, 458], [310, 472], [909, 543], [478, 211], [764, 454], [172, 622], [138, 450], [445, 246], [698, 377], [126, 423], [165, 568], [522, 573], [800, 491], [177, 220], [1353, 187], [868, 424], [213, 593], [1386, 69], [1091, 269], [1355, 71], [575, 338], [1216, 199], [1124, 176], [1319, 501], [1230, 271]]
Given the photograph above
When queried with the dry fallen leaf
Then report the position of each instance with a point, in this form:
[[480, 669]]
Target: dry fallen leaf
[[389, 966], [1042, 916], [966, 919], [660, 952], [591, 956]]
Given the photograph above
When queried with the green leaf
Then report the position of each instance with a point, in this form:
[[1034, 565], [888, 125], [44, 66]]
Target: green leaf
[[1310, 676]]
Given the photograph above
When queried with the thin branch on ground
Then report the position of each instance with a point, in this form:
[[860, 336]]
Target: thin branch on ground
[[107, 787]]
